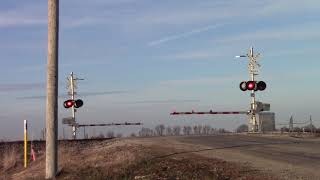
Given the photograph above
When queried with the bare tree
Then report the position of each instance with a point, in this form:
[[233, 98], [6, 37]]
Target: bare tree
[[119, 135], [169, 131], [206, 129], [222, 130], [145, 132], [110, 134], [100, 136], [159, 130], [309, 128], [187, 130], [242, 128], [197, 129], [176, 130], [213, 131]]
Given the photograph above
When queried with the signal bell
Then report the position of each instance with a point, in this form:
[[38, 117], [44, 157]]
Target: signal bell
[[253, 85]]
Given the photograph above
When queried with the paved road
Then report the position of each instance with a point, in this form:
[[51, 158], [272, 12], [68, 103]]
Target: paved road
[[289, 158]]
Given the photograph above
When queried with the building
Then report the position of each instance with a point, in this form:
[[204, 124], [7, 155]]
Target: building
[[267, 121]]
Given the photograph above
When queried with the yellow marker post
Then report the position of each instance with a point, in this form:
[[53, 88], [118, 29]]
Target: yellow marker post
[[25, 142]]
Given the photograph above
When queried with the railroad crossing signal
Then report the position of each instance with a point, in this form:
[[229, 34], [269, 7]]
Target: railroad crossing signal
[[76, 103], [253, 85]]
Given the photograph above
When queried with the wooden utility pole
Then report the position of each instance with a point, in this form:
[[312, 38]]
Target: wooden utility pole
[[52, 90]]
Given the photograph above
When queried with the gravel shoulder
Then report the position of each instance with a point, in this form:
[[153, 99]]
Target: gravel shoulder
[[285, 157]]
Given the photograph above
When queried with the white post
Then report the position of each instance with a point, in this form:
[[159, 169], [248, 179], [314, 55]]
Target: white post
[[25, 139], [74, 128], [252, 71]]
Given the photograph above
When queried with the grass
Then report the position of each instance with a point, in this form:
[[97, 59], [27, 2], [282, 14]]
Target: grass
[[9, 157]]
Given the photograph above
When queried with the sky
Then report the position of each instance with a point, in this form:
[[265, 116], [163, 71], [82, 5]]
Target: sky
[[142, 59]]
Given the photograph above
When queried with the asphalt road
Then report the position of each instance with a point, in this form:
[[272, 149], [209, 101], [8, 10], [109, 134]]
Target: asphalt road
[[287, 157]]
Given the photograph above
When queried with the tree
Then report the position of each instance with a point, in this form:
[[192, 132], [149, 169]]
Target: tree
[[110, 134], [145, 132], [101, 136], [206, 129], [169, 131], [284, 129], [297, 129], [213, 131], [187, 130], [159, 129], [197, 129], [222, 130], [242, 128], [176, 130], [309, 128]]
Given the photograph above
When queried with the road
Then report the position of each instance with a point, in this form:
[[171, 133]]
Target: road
[[287, 157]]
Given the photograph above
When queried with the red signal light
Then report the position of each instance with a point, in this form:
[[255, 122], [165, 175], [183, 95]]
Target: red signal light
[[68, 103], [251, 85]]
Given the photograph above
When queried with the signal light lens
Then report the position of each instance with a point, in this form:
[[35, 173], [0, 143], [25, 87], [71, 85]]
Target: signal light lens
[[78, 103], [261, 85], [251, 85], [243, 86], [68, 103]]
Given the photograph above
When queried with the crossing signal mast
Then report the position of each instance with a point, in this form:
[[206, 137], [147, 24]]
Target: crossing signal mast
[[73, 103], [251, 85]]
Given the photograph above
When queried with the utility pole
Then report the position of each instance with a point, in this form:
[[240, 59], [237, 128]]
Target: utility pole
[[52, 90]]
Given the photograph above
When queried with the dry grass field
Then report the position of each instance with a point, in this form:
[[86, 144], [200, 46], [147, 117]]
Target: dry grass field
[[194, 157]]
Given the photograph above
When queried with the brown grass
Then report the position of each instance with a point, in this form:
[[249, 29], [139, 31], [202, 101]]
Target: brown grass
[[9, 158], [130, 160]]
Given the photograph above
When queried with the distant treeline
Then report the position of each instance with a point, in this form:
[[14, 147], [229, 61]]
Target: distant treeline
[[308, 128], [162, 130]]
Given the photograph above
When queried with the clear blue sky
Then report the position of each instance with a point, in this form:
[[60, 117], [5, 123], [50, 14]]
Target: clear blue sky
[[159, 56]]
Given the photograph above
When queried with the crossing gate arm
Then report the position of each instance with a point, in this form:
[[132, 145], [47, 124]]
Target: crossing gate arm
[[209, 112], [110, 124]]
